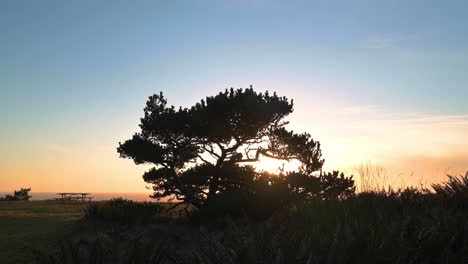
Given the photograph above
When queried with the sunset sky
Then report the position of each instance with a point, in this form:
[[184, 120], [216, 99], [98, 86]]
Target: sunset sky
[[379, 81]]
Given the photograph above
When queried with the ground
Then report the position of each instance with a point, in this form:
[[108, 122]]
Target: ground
[[27, 226], [410, 226]]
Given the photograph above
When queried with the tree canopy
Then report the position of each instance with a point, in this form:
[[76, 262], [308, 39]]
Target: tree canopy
[[21, 195], [207, 150]]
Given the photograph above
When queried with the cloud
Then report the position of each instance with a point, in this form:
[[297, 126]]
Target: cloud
[[428, 169], [411, 146]]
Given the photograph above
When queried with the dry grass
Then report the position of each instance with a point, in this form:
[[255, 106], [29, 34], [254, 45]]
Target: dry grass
[[27, 226], [373, 178]]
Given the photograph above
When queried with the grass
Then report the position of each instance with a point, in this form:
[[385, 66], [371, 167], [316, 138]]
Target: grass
[[378, 226], [29, 226], [407, 226], [388, 226], [372, 178], [123, 211]]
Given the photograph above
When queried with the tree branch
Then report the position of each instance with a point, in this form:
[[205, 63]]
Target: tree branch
[[211, 151], [177, 204], [265, 153], [200, 157]]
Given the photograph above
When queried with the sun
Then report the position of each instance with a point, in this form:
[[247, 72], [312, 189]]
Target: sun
[[275, 166]]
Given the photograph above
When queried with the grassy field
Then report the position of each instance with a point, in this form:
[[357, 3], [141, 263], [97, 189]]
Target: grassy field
[[26, 226], [395, 226], [407, 226]]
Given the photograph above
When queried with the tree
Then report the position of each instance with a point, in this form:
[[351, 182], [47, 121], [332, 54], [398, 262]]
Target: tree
[[21, 195], [205, 151]]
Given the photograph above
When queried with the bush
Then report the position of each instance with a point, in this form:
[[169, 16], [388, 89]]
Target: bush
[[271, 193], [123, 211], [236, 204], [21, 195]]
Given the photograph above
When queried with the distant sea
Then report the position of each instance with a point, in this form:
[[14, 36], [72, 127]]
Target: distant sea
[[97, 196]]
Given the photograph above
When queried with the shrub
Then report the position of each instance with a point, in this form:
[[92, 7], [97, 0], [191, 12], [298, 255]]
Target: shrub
[[123, 211], [21, 195], [257, 205], [270, 193]]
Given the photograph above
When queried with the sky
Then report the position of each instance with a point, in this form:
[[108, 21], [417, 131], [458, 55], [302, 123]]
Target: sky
[[380, 82]]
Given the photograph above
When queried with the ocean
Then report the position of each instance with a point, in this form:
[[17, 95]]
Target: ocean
[[97, 196]]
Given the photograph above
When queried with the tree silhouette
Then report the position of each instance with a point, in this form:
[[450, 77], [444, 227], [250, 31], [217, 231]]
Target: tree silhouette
[[21, 195], [205, 151]]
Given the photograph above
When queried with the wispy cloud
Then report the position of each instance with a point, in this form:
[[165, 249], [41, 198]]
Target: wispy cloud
[[424, 145]]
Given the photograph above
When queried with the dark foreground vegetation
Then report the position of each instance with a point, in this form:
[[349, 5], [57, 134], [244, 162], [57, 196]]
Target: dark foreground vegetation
[[234, 213], [227, 211], [406, 226]]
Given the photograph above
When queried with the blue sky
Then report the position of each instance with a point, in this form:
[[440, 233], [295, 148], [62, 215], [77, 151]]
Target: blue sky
[[78, 73]]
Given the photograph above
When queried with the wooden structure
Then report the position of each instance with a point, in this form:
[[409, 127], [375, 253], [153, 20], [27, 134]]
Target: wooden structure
[[74, 197]]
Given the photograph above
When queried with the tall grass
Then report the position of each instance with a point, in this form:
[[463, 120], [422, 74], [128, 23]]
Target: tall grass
[[412, 225], [455, 190], [123, 211], [373, 178]]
